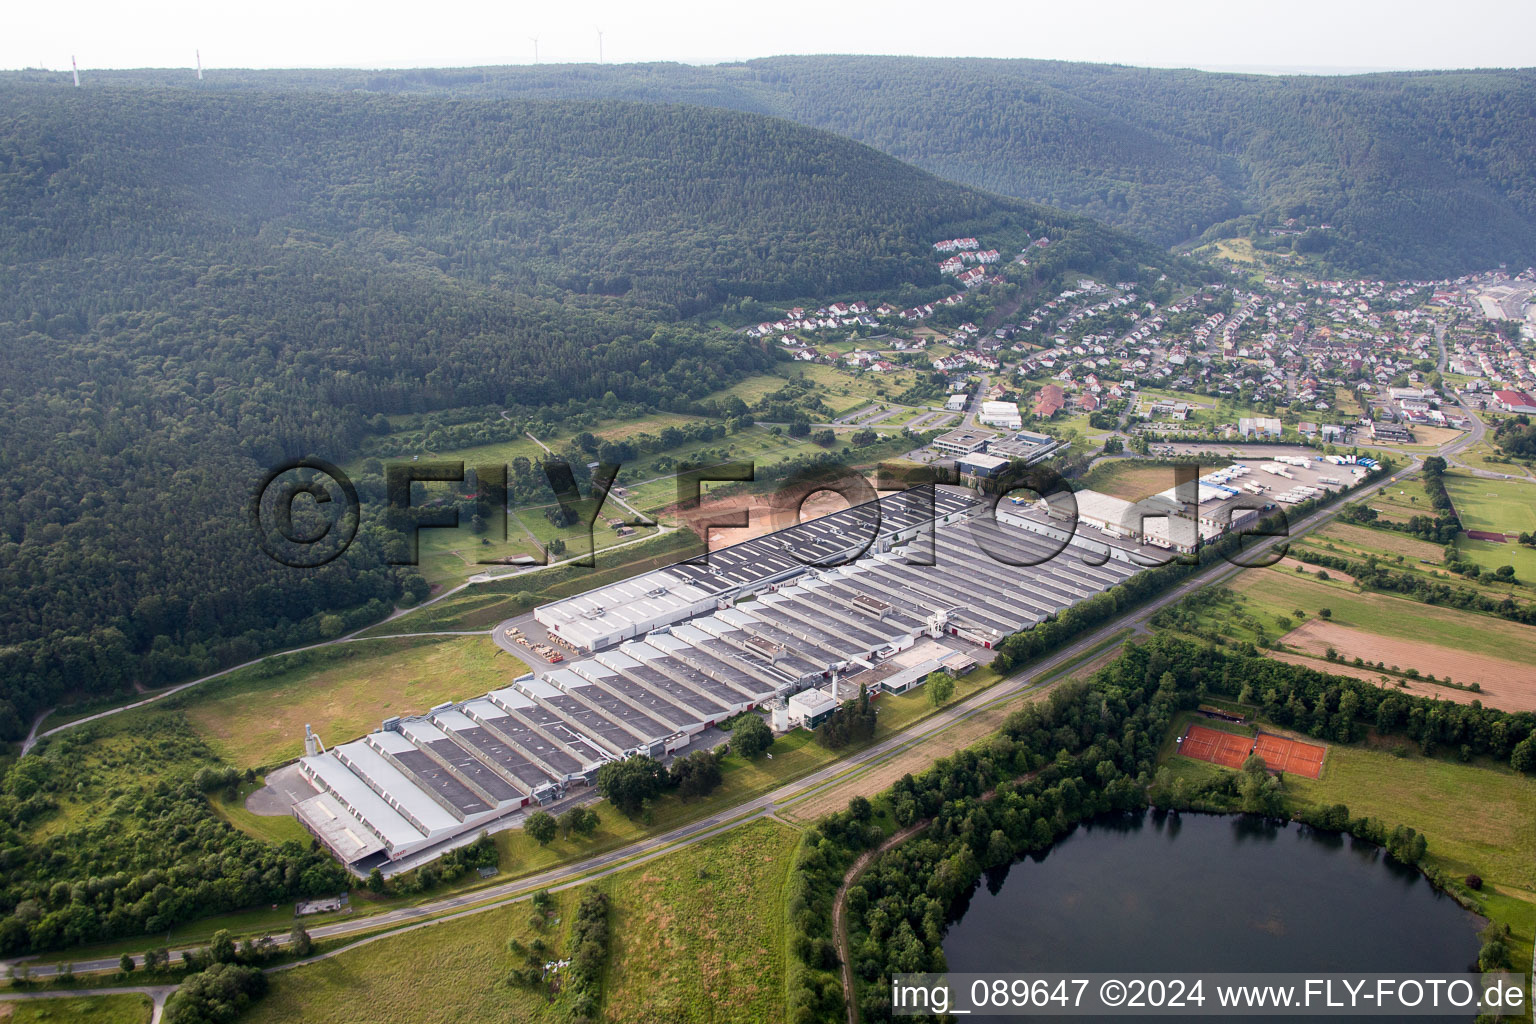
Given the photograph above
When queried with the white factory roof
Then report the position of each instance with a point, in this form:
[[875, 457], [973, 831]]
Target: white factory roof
[[510, 697], [813, 700], [1105, 508], [457, 720], [414, 802], [341, 830], [354, 793], [422, 731], [624, 607]]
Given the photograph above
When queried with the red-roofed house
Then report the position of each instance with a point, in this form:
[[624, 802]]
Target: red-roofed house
[[1049, 401]]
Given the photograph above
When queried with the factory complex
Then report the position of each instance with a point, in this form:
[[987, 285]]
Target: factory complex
[[878, 595]]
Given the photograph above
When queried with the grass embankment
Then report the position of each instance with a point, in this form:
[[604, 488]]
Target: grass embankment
[[696, 936], [482, 605], [126, 1008], [256, 716]]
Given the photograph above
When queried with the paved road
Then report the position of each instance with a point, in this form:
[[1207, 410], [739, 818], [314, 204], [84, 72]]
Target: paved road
[[834, 773]]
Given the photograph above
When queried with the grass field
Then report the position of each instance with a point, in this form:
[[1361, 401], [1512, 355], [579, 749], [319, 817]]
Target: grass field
[[273, 828], [1479, 819], [1402, 501], [697, 935], [1131, 479], [126, 1008], [1499, 506], [1385, 544], [255, 717], [1491, 554], [1264, 596], [449, 972]]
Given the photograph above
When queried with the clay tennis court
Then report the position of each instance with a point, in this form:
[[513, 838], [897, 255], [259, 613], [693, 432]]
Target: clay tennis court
[[1292, 756], [1230, 750], [1224, 748]]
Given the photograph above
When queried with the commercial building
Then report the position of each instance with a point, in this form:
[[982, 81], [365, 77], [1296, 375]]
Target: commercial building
[[963, 441], [1000, 414], [1259, 426], [1026, 447], [1515, 401], [981, 465]]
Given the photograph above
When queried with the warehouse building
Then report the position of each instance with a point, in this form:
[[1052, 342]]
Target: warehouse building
[[935, 577], [1000, 414]]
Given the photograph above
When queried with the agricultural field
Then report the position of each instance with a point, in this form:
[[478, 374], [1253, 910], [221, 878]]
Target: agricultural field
[[678, 950], [126, 1008], [1401, 501], [1349, 539], [1497, 506], [1402, 634], [256, 716]]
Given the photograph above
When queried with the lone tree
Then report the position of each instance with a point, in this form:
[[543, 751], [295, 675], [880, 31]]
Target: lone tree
[[751, 736], [300, 942], [541, 826], [941, 687], [579, 820], [629, 783], [126, 963]]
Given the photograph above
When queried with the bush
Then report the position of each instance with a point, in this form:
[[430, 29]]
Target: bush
[[215, 996]]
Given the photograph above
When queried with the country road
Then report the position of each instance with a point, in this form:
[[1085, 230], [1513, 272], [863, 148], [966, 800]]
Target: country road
[[158, 994], [764, 805]]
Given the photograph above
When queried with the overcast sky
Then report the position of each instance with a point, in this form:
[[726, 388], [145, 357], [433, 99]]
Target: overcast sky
[[1345, 35]]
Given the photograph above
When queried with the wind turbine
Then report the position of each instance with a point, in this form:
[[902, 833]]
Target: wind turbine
[[76, 69], [599, 46], [535, 48], [199, 64]]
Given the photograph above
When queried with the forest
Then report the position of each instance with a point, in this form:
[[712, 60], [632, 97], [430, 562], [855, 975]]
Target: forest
[[1417, 174], [195, 288]]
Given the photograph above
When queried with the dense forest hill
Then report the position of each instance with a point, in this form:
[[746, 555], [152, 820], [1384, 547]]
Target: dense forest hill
[[195, 287], [1417, 174]]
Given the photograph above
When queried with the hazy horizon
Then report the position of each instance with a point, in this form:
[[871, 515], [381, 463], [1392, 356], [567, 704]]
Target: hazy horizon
[[1312, 37]]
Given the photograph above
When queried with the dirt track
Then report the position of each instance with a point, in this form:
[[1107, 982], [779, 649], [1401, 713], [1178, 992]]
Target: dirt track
[[1312, 570], [763, 516], [1509, 685]]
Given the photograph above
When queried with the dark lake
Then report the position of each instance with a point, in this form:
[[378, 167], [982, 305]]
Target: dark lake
[[1210, 893]]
